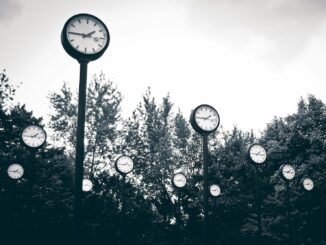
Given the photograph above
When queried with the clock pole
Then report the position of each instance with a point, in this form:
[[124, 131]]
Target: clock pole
[[205, 173], [258, 204], [288, 204], [80, 153]]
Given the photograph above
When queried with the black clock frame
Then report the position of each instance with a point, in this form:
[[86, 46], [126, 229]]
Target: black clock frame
[[302, 180], [116, 165], [81, 57], [249, 157], [175, 186], [195, 125], [209, 188], [30, 147], [280, 171]]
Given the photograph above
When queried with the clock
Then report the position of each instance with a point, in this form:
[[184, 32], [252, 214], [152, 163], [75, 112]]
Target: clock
[[257, 154], [215, 190], [87, 185], [308, 184], [15, 171], [124, 164], [204, 119], [85, 37], [33, 136], [287, 172], [179, 180]]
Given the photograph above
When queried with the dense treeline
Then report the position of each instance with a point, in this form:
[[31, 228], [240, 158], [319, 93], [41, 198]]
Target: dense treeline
[[160, 143]]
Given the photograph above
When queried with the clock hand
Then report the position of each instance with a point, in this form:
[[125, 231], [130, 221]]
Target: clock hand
[[89, 34], [77, 33]]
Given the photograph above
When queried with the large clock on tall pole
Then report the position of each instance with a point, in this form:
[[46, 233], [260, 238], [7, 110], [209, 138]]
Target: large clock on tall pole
[[205, 120], [85, 38]]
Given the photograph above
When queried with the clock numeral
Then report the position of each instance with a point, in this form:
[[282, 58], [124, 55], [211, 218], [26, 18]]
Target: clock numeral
[[93, 49], [71, 40], [100, 45], [77, 47], [87, 21], [73, 25], [85, 50], [79, 21], [95, 24]]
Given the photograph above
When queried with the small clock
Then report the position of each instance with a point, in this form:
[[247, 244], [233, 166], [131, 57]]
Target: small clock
[[257, 154], [179, 180], [204, 119], [287, 172], [215, 190], [308, 184], [124, 164], [33, 136], [15, 171], [87, 185], [85, 37]]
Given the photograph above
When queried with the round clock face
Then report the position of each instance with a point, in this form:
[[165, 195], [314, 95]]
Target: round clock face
[[206, 118], [257, 153], [179, 180], [87, 34], [215, 190], [15, 171], [308, 184], [87, 185], [288, 171], [33, 136], [124, 164]]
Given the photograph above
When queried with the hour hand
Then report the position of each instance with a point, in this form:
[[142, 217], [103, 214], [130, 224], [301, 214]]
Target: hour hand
[[89, 34]]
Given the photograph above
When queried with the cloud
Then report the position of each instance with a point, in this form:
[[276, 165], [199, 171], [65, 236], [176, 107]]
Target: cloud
[[287, 25], [9, 9]]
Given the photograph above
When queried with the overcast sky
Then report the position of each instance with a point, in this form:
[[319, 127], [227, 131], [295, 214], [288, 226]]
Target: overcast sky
[[250, 59]]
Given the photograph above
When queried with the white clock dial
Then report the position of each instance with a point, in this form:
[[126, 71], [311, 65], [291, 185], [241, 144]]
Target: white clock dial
[[288, 171], [87, 185], [124, 164], [215, 190], [15, 171], [308, 184], [86, 34], [207, 118], [257, 153], [179, 180], [33, 136]]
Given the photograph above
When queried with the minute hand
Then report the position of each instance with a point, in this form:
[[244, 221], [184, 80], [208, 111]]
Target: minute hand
[[77, 33]]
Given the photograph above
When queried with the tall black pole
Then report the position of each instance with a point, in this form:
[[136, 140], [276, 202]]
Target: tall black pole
[[80, 154], [258, 205], [205, 173], [288, 202], [123, 235]]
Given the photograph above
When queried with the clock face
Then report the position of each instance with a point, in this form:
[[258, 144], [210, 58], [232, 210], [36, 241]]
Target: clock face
[[308, 184], [257, 153], [206, 118], [87, 185], [288, 171], [33, 136], [87, 34], [215, 190], [179, 180], [124, 164], [15, 171]]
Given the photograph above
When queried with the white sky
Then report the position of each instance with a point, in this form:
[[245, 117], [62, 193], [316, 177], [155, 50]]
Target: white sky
[[250, 59]]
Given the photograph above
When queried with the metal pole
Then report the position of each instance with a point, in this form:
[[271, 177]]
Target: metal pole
[[288, 202], [258, 206], [205, 168], [80, 154], [31, 182], [123, 211]]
